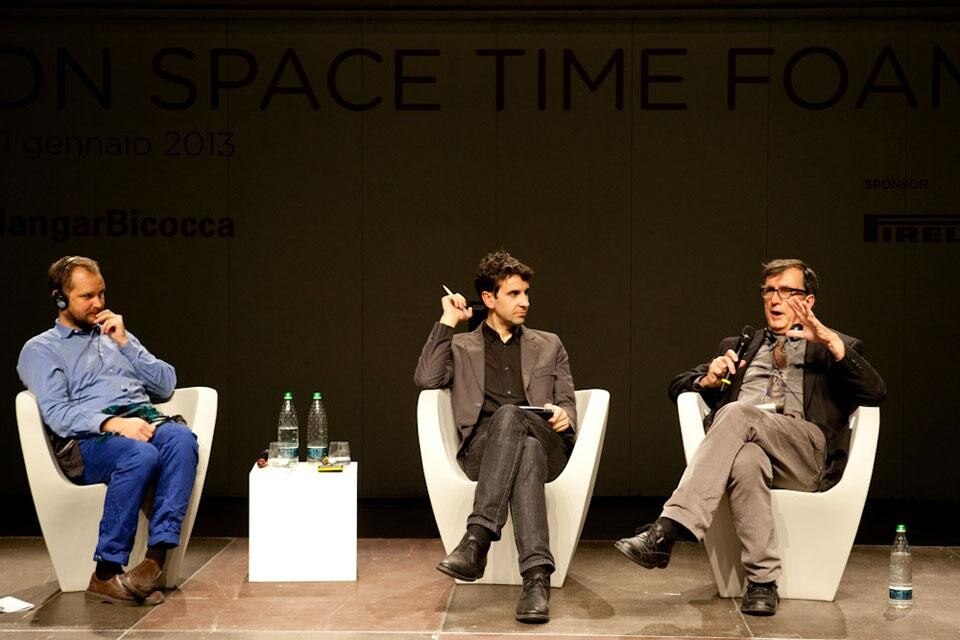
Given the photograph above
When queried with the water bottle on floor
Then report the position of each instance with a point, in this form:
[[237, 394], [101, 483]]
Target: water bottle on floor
[[288, 429], [317, 430], [901, 574]]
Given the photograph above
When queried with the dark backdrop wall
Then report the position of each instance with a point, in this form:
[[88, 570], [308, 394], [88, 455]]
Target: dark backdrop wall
[[345, 165]]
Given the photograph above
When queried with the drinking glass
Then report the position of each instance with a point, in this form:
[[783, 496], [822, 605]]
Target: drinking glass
[[277, 455], [339, 452]]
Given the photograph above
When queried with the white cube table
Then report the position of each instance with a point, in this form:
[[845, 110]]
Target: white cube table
[[303, 524]]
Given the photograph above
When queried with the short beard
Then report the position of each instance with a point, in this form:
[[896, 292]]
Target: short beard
[[80, 322]]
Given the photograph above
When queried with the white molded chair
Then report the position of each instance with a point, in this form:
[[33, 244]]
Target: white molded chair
[[814, 531], [568, 496], [69, 514]]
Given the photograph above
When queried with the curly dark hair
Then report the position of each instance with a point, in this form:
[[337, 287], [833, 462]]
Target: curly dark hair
[[775, 267], [496, 267]]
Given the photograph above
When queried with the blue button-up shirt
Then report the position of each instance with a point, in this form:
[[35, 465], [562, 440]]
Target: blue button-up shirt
[[77, 374]]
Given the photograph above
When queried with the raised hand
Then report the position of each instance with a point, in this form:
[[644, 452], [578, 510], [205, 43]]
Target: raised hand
[[455, 309], [111, 324]]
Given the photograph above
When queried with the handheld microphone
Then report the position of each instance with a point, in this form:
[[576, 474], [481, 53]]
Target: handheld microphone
[[746, 335], [795, 327]]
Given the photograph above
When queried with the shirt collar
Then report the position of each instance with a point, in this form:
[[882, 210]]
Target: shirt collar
[[65, 332], [490, 335]]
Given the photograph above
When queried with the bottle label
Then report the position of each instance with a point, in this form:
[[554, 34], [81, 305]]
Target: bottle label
[[901, 593], [316, 453]]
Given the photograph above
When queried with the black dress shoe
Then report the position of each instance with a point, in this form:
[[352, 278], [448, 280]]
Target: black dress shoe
[[761, 599], [467, 561], [650, 548], [534, 604]]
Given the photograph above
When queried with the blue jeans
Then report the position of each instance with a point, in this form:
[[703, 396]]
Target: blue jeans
[[129, 468]]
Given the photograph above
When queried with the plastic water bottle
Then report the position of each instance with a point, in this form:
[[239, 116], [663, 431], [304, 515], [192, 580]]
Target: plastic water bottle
[[288, 429], [901, 575], [317, 438]]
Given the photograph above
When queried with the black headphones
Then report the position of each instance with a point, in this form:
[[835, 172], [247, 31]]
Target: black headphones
[[59, 299]]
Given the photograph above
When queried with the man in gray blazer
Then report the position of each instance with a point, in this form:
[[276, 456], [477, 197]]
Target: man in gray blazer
[[779, 411], [511, 452]]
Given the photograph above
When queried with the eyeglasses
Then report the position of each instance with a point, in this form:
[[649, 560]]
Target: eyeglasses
[[785, 292]]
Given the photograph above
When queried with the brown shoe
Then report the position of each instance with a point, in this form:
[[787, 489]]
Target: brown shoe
[[143, 579], [109, 591]]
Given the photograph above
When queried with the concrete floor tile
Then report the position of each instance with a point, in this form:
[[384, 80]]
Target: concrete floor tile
[[398, 589], [64, 634], [541, 633], [605, 593], [401, 596], [27, 566], [273, 635], [27, 572]]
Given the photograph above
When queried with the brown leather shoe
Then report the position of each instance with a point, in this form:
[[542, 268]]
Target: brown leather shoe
[[143, 579], [109, 591]]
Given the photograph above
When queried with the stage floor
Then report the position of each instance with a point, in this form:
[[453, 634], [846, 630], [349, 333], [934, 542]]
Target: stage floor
[[399, 595]]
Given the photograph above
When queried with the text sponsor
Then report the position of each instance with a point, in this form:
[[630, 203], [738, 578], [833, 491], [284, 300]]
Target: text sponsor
[[896, 184]]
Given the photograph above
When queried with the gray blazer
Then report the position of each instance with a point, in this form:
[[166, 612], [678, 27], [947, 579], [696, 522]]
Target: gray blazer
[[457, 361]]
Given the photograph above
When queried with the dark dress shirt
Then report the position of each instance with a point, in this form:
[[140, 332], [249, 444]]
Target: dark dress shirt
[[503, 382]]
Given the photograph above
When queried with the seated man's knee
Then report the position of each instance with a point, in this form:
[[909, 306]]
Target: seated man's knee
[[139, 457], [508, 411], [735, 415], [177, 436], [508, 417]]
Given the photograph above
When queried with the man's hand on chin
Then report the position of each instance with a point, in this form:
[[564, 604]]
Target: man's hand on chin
[[111, 324]]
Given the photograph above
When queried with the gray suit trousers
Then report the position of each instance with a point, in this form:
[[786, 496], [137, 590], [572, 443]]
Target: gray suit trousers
[[745, 453], [511, 456]]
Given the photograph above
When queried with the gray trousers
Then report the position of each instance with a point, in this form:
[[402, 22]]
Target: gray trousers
[[511, 456], [745, 453]]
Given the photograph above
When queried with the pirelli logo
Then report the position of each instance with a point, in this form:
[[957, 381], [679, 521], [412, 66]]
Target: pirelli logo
[[911, 228]]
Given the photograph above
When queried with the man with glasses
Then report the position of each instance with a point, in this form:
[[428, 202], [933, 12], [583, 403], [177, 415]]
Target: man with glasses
[[778, 420]]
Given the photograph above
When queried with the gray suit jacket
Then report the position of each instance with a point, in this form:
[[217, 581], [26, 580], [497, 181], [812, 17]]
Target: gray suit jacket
[[457, 361]]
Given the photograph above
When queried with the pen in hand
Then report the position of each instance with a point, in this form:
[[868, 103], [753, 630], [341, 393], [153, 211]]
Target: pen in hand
[[455, 301]]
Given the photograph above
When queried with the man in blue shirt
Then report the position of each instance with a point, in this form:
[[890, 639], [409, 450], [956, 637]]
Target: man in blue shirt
[[94, 383]]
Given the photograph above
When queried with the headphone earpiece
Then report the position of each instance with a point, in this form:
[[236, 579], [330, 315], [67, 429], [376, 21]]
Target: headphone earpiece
[[58, 283]]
